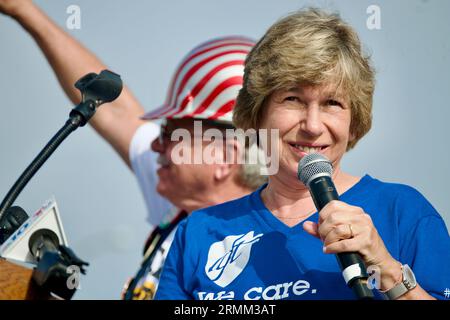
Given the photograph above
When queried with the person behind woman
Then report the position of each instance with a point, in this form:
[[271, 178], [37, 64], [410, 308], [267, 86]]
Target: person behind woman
[[309, 78], [203, 91]]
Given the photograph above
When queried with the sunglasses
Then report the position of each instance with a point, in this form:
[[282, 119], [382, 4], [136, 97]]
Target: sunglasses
[[166, 131]]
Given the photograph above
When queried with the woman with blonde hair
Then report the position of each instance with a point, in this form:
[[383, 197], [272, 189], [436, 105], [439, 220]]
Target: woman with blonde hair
[[309, 79]]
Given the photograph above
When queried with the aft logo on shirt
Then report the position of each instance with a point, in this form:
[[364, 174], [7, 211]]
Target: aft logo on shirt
[[228, 258]]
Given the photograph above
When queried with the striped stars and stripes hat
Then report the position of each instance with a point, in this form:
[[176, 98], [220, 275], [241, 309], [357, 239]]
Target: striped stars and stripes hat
[[207, 81]]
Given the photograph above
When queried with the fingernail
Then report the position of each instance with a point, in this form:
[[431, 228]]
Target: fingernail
[[324, 249]]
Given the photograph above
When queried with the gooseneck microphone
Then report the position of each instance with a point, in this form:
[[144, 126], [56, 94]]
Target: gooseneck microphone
[[315, 171], [96, 89]]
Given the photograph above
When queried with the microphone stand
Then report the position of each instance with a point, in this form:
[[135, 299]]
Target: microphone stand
[[96, 89], [54, 259]]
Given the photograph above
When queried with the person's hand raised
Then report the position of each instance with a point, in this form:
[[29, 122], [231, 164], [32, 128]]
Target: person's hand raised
[[13, 7]]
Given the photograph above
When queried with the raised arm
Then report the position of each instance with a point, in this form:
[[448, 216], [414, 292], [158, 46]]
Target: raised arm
[[116, 122]]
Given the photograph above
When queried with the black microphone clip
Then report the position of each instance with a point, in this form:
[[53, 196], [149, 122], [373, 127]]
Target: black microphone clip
[[95, 89]]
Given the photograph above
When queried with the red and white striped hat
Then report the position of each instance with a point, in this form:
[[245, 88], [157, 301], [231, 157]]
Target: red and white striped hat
[[206, 83]]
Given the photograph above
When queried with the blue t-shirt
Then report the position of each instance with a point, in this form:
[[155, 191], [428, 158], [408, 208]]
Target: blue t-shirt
[[239, 250]]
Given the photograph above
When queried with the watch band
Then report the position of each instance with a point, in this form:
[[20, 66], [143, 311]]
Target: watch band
[[407, 283], [396, 292]]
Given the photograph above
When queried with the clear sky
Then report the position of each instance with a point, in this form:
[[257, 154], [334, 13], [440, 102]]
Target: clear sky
[[100, 203]]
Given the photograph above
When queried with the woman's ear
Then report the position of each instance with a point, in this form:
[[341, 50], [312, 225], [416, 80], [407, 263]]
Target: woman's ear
[[351, 137]]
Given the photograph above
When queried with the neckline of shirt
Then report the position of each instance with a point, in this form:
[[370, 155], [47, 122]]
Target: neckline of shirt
[[261, 212]]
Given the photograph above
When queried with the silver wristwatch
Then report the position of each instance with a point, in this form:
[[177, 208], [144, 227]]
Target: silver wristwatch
[[407, 284]]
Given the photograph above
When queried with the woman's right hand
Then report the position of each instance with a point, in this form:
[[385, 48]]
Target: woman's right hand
[[13, 7]]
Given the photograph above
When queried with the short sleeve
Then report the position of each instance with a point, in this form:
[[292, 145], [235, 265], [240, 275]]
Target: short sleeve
[[426, 248], [172, 282], [144, 165]]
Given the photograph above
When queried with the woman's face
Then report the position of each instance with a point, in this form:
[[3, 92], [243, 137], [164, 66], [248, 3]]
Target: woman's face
[[310, 119]]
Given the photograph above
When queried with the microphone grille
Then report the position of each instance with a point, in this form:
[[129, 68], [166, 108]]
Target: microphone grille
[[311, 165]]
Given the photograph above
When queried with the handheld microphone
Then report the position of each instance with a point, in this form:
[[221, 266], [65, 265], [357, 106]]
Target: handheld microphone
[[55, 265], [315, 171], [41, 242]]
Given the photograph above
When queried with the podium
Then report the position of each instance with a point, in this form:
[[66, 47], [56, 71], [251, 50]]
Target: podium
[[16, 283]]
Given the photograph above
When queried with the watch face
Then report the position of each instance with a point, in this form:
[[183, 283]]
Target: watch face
[[408, 277]]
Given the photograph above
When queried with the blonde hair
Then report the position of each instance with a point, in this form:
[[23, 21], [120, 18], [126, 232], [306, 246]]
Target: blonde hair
[[310, 47]]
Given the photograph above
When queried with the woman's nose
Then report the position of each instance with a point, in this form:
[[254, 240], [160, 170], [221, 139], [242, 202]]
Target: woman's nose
[[312, 123]]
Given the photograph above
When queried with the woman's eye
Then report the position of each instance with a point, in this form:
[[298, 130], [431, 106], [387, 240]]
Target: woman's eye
[[291, 98], [332, 102]]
